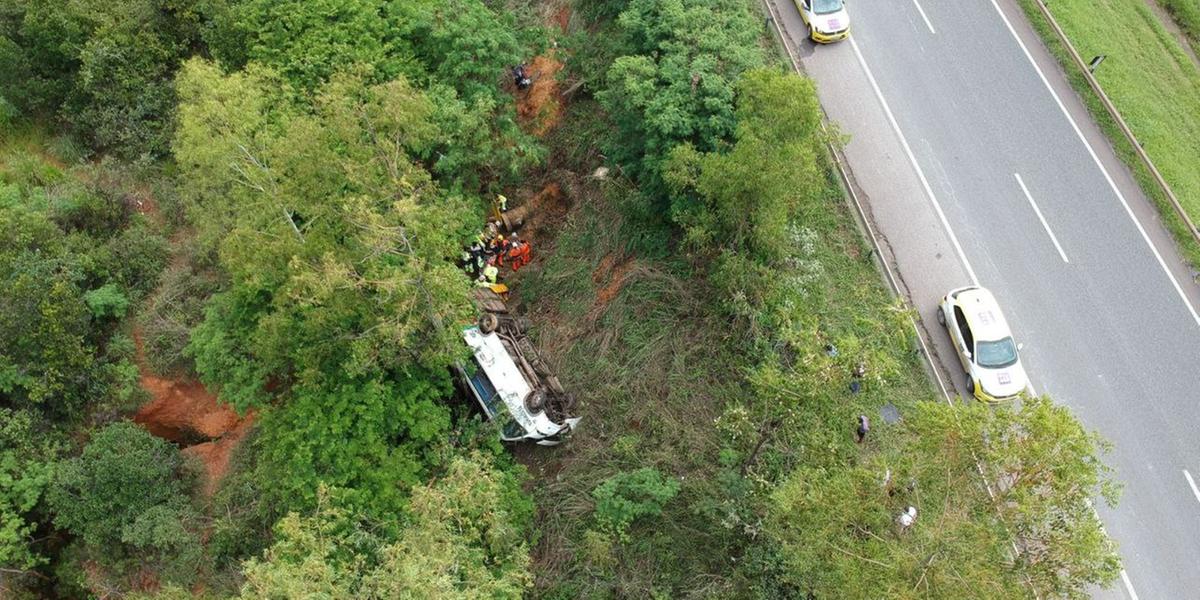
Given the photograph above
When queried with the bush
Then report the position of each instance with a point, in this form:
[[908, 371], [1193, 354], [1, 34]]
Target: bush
[[107, 302], [8, 113], [625, 497], [123, 473]]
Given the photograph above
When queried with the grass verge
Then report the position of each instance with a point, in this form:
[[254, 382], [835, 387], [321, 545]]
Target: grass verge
[[1187, 14], [639, 334], [1154, 85]]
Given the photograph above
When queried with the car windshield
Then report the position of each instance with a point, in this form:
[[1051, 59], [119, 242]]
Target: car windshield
[[824, 7], [996, 354]]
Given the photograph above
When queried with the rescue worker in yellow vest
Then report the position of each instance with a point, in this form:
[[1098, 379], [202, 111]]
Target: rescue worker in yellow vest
[[488, 277], [502, 202]]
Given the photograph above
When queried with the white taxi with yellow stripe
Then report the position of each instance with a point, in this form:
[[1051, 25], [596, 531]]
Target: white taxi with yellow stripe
[[984, 344], [827, 20]]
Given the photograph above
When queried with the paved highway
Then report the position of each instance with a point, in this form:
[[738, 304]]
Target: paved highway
[[978, 163]]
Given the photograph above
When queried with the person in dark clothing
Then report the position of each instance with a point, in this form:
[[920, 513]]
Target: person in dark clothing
[[521, 77], [863, 427]]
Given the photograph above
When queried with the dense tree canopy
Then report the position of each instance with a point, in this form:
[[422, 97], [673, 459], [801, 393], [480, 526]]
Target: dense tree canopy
[[339, 247], [1026, 525], [105, 66], [676, 84], [126, 498], [465, 538], [71, 257], [25, 471]]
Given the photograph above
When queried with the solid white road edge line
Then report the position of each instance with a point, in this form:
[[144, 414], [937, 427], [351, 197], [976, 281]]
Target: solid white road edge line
[[1041, 218], [1192, 482], [1128, 586], [1096, 159], [927, 23], [887, 110], [1124, 575]]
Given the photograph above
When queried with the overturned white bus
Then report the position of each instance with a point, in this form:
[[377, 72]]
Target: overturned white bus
[[508, 379]]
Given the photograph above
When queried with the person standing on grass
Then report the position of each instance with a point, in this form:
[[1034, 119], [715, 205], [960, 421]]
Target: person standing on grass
[[906, 519], [864, 426]]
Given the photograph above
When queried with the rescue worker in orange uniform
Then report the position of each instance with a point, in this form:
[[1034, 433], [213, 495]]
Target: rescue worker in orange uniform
[[519, 254]]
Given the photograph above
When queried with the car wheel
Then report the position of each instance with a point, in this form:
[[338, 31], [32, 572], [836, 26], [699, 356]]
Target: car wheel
[[488, 323], [941, 316], [971, 385]]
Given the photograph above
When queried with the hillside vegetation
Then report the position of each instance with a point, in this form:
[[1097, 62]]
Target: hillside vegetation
[[265, 200]]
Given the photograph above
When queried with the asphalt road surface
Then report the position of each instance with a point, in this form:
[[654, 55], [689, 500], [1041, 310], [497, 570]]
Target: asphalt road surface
[[978, 163]]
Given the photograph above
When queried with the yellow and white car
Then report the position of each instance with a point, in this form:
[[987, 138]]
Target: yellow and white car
[[827, 20], [984, 344]]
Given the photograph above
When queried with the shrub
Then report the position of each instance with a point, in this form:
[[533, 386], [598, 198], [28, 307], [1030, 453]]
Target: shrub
[[624, 497], [107, 302]]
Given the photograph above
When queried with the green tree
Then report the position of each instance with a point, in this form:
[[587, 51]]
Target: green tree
[[126, 499], [676, 84], [72, 259], [465, 49], [338, 245], [309, 41], [369, 441], [106, 65], [745, 199], [25, 472], [123, 473], [466, 537], [1034, 532]]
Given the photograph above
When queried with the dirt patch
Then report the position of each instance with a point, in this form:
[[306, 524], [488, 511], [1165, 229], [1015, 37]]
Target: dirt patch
[[142, 200], [216, 454], [185, 412], [562, 17], [182, 411], [540, 108], [546, 210], [614, 273]]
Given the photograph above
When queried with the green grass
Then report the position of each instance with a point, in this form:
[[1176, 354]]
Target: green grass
[[1187, 14], [1154, 85], [638, 334]]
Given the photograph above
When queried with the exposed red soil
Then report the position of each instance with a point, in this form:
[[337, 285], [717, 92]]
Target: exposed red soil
[[182, 410], [215, 455], [562, 17], [540, 107], [614, 273], [185, 412]]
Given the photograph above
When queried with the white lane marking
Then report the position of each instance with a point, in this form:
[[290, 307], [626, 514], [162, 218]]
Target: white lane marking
[[1192, 482], [1124, 576], [1096, 159], [1128, 585], [1041, 218], [927, 23], [913, 159]]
